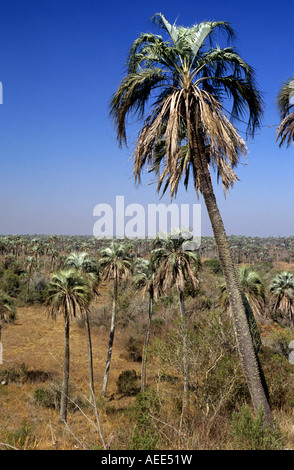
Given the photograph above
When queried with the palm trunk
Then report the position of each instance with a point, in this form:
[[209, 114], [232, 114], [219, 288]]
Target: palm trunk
[[111, 337], [90, 356], [185, 352], [146, 344], [248, 357], [64, 390]]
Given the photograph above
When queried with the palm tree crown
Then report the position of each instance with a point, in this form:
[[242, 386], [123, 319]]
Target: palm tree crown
[[115, 262], [175, 265], [185, 83], [68, 294], [87, 265], [282, 291], [252, 287], [285, 100]]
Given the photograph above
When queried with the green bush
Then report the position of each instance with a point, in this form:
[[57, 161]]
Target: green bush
[[214, 265], [143, 439], [127, 382], [134, 349], [279, 376], [251, 433], [10, 283], [49, 397], [144, 434]]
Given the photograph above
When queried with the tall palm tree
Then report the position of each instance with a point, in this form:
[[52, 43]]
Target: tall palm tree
[[115, 264], [144, 277], [175, 266], [282, 292], [88, 266], [184, 81], [285, 131], [68, 295]]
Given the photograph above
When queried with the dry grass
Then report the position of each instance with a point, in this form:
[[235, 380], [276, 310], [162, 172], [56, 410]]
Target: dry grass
[[38, 342]]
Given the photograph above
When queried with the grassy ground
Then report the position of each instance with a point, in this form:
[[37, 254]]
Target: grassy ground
[[33, 348], [38, 342]]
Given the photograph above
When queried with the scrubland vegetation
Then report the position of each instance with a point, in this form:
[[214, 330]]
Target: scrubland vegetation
[[213, 411]]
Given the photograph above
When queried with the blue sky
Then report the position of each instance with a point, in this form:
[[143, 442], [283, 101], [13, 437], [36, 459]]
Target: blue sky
[[61, 60]]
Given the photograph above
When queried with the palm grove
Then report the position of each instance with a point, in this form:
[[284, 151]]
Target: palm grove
[[179, 83]]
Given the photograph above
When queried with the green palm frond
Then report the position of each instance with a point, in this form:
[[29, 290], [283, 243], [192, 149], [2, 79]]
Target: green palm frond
[[174, 265], [285, 102], [115, 261], [282, 292], [181, 80], [7, 308], [68, 294]]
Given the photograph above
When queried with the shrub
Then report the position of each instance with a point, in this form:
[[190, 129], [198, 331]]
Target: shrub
[[144, 435], [279, 376], [49, 397], [134, 349], [251, 433], [10, 283], [127, 382], [143, 439], [214, 265]]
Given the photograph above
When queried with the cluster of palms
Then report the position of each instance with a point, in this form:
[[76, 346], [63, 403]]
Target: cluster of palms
[[71, 291], [181, 85], [169, 265]]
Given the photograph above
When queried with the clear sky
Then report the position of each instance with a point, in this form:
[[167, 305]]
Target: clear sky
[[60, 62]]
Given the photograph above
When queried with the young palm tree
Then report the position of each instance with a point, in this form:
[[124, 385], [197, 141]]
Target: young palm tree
[[252, 287], [144, 276], [285, 131], [184, 80], [7, 313], [88, 266], [115, 264], [175, 266], [69, 295], [253, 291], [282, 291]]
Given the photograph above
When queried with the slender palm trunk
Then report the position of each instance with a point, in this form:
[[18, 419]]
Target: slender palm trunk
[[244, 341], [90, 356], [64, 390], [111, 337], [185, 352], [146, 344]]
